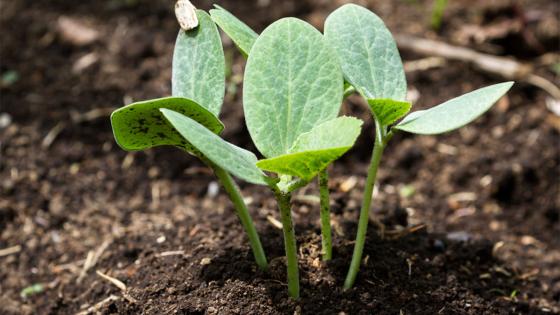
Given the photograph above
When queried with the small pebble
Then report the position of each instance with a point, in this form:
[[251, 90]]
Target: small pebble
[[213, 189], [5, 120]]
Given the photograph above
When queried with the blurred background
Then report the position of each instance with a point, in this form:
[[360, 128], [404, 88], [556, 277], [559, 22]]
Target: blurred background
[[68, 192]]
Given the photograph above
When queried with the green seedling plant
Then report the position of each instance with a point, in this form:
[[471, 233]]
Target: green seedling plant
[[438, 10], [292, 94], [371, 63], [198, 84], [294, 83]]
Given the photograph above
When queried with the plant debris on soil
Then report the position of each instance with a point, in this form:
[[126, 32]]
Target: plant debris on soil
[[472, 217]]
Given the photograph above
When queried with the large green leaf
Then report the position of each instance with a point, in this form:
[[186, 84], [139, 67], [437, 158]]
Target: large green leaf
[[241, 34], [454, 113], [292, 82], [199, 65], [140, 125], [387, 111], [233, 159], [367, 52], [316, 149]]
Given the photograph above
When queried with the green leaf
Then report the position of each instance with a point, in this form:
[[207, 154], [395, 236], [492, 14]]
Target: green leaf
[[233, 159], [304, 165], [241, 34], [292, 82], [199, 65], [140, 125], [410, 117], [316, 149], [387, 111], [338, 132], [367, 52], [454, 113]]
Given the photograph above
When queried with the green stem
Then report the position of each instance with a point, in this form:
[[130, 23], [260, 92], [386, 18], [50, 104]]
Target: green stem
[[325, 215], [364, 212], [289, 242], [243, 214]]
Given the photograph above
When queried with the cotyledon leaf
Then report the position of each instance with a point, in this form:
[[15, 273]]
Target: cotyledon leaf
[[387, 111], [367, 52], [410, 117], [233, 159], [456, 112], [140, 125], [316, 149], [292, 83], [241, 34], [198, 71]]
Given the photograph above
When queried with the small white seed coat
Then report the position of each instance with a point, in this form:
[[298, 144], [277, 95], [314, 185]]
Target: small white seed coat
[[186, 15]]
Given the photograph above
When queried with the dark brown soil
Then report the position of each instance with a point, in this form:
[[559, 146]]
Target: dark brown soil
[[472, 216]]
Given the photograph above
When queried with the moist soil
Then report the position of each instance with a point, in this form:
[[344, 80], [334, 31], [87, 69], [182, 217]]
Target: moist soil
[[471, 217]]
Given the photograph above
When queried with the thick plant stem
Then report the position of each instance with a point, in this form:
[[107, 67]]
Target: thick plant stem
[[289, 242], [364, 212], [243, 214], [326, 238]]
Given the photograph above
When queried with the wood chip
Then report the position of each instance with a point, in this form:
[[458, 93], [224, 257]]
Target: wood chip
[[52, 135], [127, 161], [464, 196], [530, 274], [10, 250], [75, 32], [206, 261], [348, 184], [307, 199], [91, 115], [277, 224], [85, 62], [447, 149], [171, 253]]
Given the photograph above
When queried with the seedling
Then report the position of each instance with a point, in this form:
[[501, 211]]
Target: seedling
[[371, 64], [438, 10], [198, 84], [292, 94]]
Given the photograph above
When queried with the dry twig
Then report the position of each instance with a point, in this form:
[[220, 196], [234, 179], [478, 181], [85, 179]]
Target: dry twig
[[506, 67], [92, 258], [97, 307], [118, 283]]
